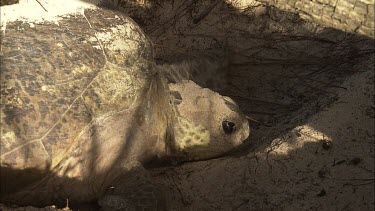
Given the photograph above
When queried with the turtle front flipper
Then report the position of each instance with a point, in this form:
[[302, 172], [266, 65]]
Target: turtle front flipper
[[133, 191]]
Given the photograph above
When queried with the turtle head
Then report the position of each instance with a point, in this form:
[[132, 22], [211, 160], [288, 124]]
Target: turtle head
[[206, 124]]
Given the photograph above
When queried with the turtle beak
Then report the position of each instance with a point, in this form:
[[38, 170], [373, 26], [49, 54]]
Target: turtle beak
[[243, 134], [246, 130]]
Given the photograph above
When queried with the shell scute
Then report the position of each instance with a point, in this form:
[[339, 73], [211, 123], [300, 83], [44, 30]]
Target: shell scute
[[58, 78]]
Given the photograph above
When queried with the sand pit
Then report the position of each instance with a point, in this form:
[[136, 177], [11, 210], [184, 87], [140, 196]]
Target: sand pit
[[309, 89]]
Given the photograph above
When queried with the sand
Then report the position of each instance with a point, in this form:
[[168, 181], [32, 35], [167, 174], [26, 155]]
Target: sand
[[310, 88]]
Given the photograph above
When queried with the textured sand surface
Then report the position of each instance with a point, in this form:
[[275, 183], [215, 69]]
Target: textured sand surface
[[311, 88]]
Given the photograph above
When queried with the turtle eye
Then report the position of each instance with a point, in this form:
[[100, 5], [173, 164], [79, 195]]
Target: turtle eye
[[228, 127]]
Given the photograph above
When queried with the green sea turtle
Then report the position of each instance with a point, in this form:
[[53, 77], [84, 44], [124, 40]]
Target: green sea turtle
[[84, 107]]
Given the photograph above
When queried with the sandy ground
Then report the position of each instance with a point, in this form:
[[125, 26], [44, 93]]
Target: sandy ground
[[310, 88], [324, 163]]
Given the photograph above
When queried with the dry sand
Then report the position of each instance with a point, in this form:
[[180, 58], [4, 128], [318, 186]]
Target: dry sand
[[311, 88]]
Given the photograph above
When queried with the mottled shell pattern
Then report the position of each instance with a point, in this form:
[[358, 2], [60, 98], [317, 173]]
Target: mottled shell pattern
[[56, 79]]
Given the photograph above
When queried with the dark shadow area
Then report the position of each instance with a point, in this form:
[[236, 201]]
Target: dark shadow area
[[281, 71], [278, 65]]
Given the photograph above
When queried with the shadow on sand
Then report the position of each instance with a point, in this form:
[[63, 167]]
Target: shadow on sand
[[280, 70]]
